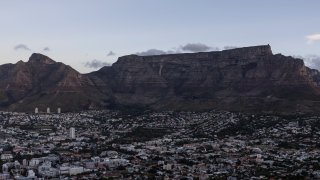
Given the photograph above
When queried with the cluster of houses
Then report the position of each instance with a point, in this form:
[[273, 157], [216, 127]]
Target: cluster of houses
[[158, 145]]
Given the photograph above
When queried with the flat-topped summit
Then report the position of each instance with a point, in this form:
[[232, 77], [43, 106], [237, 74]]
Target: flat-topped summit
[[262, 50], [252, 52], [266, 49]]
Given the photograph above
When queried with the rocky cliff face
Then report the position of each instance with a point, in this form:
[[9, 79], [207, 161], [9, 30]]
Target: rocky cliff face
[[42, 82], [244, 79]]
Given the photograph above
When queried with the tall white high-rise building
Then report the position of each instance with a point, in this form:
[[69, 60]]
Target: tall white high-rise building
[[25, 162], [59, 110], [48, 110], [72, 133], [36, 110]]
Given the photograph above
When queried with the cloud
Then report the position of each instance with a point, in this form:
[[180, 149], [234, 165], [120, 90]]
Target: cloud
[[111, 53], [191, 47], [312, 61], [95, 64], [46, 49], [151, 52], [21, 47], [229, 47], [313, 38], [197, 47]]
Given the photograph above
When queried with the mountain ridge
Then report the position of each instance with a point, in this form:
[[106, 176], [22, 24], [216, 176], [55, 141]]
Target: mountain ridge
[[249, 79]]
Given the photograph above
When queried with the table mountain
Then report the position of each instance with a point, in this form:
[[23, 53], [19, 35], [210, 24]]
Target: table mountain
[[243, 79], [250, 79]]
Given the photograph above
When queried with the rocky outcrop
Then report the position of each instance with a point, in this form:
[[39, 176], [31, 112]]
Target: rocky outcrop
[[250, 79], [42, 82]]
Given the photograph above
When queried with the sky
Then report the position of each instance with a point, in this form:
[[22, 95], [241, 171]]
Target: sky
[[88, 34]]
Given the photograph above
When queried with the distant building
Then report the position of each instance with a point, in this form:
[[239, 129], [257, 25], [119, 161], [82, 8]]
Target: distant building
[[25, 162], [48, 110], [5, 176], [75, 170], [5, 168], [64, 170], [72, 133], [34, 162], [31, 174], [6, 157], [47, 170], [59, 110], [36, 110], [17, 165]]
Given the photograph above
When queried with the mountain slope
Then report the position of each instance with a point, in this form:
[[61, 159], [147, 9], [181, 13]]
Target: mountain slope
[[250, 79], [42, 82]]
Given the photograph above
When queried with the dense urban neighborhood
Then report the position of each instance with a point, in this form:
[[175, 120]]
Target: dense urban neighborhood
[[142, 144]]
